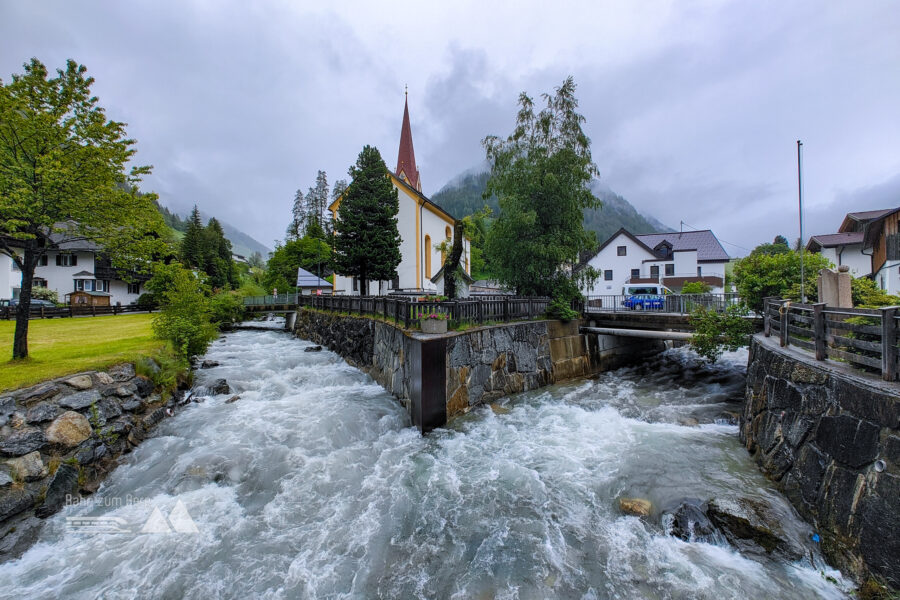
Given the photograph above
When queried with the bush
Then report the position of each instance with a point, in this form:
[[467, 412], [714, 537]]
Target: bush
[[42, 293], [185, 316], [226, 308], [865, 293], [716, 332], [561, 310], [147, 301], [760, 275], [696, 287], [165, 369]]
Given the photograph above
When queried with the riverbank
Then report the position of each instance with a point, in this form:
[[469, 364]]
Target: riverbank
[[58, 347]]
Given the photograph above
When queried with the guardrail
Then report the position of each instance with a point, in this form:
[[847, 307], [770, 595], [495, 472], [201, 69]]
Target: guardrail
[[670, 303], [407, 310], [270, 300], [862, 337], [73, 310]]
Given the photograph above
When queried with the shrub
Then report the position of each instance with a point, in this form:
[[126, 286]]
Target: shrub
[[696, 287], [716, 332], [147, 301], [165, 369], [185, 316], [865, 293], [42, 293], [561, 310], [226, 308]]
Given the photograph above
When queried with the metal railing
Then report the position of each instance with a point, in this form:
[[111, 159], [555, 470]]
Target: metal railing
[[270, 300], [861, 337], [73, 310], [408, 310], [670, 303]]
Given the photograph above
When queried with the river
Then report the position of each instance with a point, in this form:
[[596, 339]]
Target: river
[[314, 485]]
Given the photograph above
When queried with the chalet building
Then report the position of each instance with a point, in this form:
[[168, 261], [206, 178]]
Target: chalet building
[[422, 224], [669, 259], [846, 246], [881, 242], [69, 268]]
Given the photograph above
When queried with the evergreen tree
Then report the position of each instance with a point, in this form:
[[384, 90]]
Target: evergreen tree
[[298, 217], [193, 243], [541, 175], [367, 243], [217, 262]]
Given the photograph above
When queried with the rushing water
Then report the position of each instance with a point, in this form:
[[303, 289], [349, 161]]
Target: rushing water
[[313, 485]]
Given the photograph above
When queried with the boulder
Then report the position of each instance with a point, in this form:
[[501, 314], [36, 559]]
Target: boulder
[[19, 537], [23, 441], [105, 378], [752, 526], [234, 398], [64, 482], [132, 404], [5, 479], [45, 411], [69, 429], [41, 392], [125, 391], [80, 382], [143, 386], [7, 408], [80, 400], [122, 372], [209, 364], [639, 507], [14, 500], [313, 349], [109, 409], [29, 467], [499, 409], [219, 386]]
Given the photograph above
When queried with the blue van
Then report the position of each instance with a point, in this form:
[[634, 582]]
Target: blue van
[[645, 296]]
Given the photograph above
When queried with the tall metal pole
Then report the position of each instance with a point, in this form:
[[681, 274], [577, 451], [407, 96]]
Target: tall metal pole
[[800, 202]]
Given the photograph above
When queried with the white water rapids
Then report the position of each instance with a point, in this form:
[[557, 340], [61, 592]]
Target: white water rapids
[[314, 485]]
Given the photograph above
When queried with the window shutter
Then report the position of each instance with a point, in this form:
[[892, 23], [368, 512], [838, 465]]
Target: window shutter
[[58, 260], [74, 260]]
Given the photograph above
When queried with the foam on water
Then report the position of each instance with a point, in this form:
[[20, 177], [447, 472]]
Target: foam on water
[[314, 485]]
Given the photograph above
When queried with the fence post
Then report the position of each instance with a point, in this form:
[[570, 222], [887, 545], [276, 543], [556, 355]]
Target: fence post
[[888, 343], [767, 319], [115, 309], [784, 313], [42, 312], [505, 309], [819, 329]]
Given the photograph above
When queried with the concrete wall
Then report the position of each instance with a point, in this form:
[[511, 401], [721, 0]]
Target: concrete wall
[[830, 438], [440, 376]]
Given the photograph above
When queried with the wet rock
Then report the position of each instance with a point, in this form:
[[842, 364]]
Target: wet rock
[[219, 386], [23, 441], [17, 419], [688, 422], [313, 349], [851, 441], [234, 398], [18, 537], [69, 429], [105, 378], [124, 391], [143, 386], [80, 382], [41, 392], [14, 500], [64, 482], [499, 409], [639, 507], [7, 408], [689, 522], [85, 454], [5, 479], [80, 400], [45, 411], [132, 405], [153, 418], [29, 467], [209, 364], [122, 372], [752, 526], [109, 409]]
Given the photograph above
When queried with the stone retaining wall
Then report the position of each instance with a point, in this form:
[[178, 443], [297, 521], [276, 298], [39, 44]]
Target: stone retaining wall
[[830, 438], [61, 437]]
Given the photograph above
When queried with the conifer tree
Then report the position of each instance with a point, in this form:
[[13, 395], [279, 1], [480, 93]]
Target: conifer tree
[[367, 242], [192, 244]]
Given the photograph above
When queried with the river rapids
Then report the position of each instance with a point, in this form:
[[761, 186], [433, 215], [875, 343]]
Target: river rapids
[[314, 485]]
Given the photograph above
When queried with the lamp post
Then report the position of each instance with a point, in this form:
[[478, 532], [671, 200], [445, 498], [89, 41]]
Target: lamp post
[[800, 202]]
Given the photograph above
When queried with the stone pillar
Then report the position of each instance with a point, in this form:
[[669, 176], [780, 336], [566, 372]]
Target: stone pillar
[[834, 287]]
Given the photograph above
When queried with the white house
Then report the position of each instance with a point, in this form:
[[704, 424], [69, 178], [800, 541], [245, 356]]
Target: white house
[[422, 224], [846, 246], [670, 259], [71, 267], [881, 242], [309, 284]]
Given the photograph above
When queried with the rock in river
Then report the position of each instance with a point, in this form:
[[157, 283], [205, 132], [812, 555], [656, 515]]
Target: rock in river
[[638, 507]]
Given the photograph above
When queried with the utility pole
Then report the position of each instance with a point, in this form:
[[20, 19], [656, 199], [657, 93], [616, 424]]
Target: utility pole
[[800, 202]]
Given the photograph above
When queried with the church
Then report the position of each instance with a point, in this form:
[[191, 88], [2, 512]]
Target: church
[[422, 224]]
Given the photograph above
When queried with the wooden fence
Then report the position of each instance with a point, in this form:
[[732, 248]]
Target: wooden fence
[[48, 312], [862, 337], [408, 311]]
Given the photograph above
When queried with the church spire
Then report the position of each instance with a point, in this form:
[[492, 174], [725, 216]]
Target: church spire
[[406, 158]]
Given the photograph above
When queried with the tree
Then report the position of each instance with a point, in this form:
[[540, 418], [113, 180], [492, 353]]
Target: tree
[[217, 261], [716, 332], [185, 317], [367, 243], [540, 175], [758, 276], [310, 253], [192, 243], [778, 246], [695, 287], [452, 268], [298, 217], [63, 179]]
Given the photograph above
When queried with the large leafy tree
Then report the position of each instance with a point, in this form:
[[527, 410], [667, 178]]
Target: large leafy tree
[[540, 175], [311, 253], [367, 242], [63, 179], [761, 275]]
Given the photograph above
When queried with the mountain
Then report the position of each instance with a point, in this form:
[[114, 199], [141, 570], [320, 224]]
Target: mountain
[[462, 196], [241, 243]]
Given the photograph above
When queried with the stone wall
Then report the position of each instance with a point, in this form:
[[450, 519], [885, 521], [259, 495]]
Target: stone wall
[[61, 437], [830, 438]]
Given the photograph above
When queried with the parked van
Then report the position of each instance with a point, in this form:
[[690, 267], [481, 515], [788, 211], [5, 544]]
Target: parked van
[[646, 296]]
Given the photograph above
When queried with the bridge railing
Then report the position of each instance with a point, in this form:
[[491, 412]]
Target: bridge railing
[[270, 300], [408, 310], [670, 303], [862, 337]]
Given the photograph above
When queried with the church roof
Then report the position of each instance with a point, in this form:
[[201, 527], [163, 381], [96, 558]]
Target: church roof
[[406, 158]]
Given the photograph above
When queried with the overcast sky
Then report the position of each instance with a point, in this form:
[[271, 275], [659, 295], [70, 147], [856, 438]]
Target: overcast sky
[[693, 108]]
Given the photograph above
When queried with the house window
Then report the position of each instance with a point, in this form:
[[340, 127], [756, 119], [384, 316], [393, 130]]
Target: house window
[[428, 256], [654, 271], [44, 260], [635, 273], [607, 275], [66, 260], [15, 266], [134, 288], [38, 282], [670, 270], [621, 250], [448, 233], [355, 284], [699, 271]]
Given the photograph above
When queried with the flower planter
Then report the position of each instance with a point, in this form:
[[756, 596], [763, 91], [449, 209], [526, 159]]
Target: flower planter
[[433, 325]]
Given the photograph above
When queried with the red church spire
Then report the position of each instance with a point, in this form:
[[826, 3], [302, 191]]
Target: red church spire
[[406, 158]]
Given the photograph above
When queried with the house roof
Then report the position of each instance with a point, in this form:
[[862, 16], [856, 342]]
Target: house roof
[[704, 242], [833, 240], [874, 227], [440, 275], [307, 279], [89, 293], [852, 221], [83, 274]]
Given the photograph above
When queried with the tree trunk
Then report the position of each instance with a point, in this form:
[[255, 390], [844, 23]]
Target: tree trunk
[[20, 339], [451, 267]]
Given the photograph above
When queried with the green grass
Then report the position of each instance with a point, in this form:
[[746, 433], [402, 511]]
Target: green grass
[[60, 347]]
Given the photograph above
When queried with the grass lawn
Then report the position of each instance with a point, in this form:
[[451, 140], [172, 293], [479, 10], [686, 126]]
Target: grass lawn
[[59, 347]]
